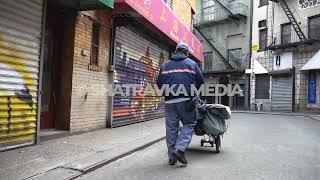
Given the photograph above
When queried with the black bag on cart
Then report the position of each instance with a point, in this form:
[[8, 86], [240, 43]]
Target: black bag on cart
[[211, 119]]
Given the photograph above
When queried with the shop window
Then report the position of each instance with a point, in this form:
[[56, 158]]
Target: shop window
[[286, 33], [263, 2], [263, 38], [95, 43], [262, 86], [314, 27]]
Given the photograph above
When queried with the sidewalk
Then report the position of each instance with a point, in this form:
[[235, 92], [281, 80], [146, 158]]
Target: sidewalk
[[71, 156], [314, 116]]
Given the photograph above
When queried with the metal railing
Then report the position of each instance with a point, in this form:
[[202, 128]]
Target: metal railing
[[213, 63], [279, 39], [220, 47], [219, 13]]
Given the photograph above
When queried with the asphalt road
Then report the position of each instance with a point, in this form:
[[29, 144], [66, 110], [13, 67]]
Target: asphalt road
[[255, 147]]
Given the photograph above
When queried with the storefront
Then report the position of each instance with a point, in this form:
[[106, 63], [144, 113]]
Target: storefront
[[146, 33], [137, 61], [312, 69], [75, 66], [282, 91], [37, 51]]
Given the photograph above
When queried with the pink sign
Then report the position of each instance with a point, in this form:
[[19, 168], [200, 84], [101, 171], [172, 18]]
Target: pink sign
[[161, 16]]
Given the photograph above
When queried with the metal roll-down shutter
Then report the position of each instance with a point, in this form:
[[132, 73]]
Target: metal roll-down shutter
[[20, 37], [137, 61], [282, 93]]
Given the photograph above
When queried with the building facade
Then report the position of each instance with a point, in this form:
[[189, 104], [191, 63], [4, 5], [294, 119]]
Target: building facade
[[285, 55], [224, 29], [48, 70], [58, 60]]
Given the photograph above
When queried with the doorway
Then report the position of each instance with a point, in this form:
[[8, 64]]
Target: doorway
[[57, 67]]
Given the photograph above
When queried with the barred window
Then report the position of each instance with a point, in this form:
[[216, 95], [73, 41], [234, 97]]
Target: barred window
[[285, 33], [263, 38], [263, 2], [314, 27], [95, 43]]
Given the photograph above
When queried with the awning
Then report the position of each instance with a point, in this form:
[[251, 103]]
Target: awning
[[258, 68], [282, 72], [313, 63], [84, 5], [165, 20]]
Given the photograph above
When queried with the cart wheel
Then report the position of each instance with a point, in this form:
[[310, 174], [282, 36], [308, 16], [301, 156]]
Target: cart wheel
[[201, 142], [218, 144], [211, 143]]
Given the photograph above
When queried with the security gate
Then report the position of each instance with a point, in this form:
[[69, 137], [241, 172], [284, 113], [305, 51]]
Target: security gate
[[20, 36], [282, 93], [137, 61]]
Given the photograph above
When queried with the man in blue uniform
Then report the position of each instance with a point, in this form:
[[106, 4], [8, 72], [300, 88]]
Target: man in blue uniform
[[179, 70]]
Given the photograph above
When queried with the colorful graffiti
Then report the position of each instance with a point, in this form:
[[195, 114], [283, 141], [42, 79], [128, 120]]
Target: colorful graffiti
[[136, 71], [18, 88], [304, 4]]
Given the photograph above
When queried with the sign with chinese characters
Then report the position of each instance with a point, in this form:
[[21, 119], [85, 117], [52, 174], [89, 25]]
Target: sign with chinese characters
[[162, 17], [312, 87], [304, 4]]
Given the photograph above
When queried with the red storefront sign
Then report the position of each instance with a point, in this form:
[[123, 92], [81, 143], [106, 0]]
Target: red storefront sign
[[164, 19]]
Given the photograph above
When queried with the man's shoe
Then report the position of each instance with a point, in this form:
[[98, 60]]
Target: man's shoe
[[172, 162], [179, 155]]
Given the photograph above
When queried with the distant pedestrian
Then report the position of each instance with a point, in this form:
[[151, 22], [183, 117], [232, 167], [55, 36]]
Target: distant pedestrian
[[179, 70]]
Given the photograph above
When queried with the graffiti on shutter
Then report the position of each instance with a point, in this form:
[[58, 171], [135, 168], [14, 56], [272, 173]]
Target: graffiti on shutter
[[137, 61], [20, 32]]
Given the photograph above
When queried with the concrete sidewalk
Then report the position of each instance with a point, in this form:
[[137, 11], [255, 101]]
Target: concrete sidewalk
[[314, 116], [72, 156]]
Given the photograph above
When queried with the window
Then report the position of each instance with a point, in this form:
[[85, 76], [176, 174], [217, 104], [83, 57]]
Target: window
[[95, 43], [262, 24], [263, 2], [262, 86], [314, 27], [285, 33], [208, 58], [235, 54], [207, 9], [263, 38]]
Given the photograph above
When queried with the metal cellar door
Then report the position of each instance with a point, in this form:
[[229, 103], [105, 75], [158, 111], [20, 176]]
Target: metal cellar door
[[282, 93], [137, 61], [20, 37]]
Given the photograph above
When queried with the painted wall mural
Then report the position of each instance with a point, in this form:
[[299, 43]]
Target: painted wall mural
[[130, 70], [18, 92], [304, 4]]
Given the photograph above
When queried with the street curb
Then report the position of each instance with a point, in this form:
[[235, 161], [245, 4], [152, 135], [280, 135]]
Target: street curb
[[108, 161], [276, 113]]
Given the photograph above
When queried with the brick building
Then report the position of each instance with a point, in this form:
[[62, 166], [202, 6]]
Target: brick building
[[75, 76], [89, 101], [51, 68]]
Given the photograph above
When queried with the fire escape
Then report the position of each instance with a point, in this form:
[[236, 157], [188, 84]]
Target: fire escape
[[220, 14], [295, 40]]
